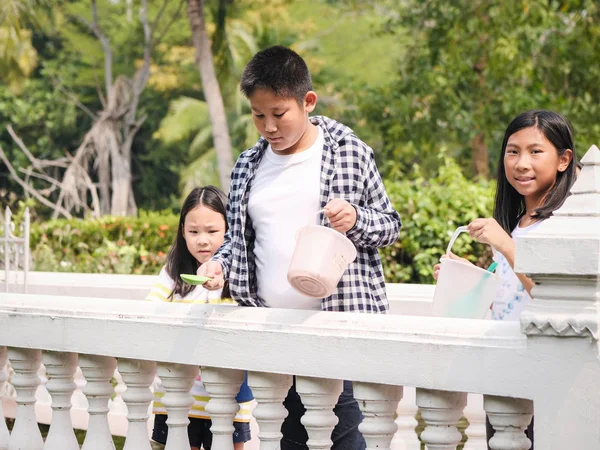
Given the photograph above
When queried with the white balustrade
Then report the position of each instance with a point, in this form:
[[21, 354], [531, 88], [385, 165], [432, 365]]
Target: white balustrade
[[60, 369], [319, 396], [4, 434], [25, 433], [223, 386], [378, 403], [138, 376], [177, 380], [441, 411], [270, 390], [509, 417], [98, 371]]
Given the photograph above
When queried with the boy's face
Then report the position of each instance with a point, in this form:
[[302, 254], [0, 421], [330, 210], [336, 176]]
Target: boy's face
[[283, 122]]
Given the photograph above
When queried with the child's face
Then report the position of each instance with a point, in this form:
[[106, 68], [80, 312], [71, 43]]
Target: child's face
[[531, 163], [203, 231], [282, 121]]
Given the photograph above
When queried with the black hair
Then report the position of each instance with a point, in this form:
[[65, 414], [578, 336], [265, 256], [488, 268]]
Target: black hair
[[510, 205], [179, 259], [280, 70]]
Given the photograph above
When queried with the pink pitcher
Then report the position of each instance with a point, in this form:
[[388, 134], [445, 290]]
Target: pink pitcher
[[320, 258]]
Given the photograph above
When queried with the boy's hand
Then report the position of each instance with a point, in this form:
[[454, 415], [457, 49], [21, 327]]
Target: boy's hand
[[214, 270], [341, 215], [488, 231]]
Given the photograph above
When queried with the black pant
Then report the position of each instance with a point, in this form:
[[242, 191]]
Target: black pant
[[489, 432], [345, 435]]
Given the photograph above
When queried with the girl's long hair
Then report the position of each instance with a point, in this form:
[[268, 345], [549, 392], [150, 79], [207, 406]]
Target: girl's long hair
[[510, 205], [179, 259]]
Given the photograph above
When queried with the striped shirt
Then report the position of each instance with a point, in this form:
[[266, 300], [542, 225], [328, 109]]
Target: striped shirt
[[161, 292]]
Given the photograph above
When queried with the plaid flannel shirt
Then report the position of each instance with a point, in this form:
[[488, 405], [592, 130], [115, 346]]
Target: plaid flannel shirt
[[348, 171]]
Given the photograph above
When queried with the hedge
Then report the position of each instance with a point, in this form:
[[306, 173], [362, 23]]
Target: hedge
[[430, 210]]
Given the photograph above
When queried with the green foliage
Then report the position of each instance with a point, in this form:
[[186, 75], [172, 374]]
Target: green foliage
[[473, 65], [109, 245], [42, 116], [431, 209]]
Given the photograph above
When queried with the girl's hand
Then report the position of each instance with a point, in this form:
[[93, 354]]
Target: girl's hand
[[212, 269], [341, 215], [488, 231], [436, 268]]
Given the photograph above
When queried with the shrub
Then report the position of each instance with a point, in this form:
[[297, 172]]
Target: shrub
[[107, 245], [431, 209]]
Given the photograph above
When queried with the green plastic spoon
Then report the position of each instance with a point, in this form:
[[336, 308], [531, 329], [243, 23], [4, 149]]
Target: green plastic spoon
[[194, 279]]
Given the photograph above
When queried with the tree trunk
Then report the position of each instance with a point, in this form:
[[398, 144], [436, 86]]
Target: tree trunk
[[480, 156], [104, 183], [212, 91]]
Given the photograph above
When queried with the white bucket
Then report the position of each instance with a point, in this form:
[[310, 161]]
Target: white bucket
[[320, 258], [463, 290]]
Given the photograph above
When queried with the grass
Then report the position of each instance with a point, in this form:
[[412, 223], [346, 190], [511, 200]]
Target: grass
[[349, 40], [79, 434]]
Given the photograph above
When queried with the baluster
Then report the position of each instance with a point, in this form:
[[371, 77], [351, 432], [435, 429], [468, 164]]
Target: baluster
[[510, 417], [223, 386], [319, 396], [98, 370], [25, 433], [138, 376], [378, 403], [177, 380], [476, 439], [270, 390], [406, 437], [4, 434], [441, 412], [60, 368]]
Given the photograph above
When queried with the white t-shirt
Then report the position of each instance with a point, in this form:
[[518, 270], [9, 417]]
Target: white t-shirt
[[511, 297], [284, 196]]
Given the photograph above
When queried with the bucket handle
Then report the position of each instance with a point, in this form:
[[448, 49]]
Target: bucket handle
[[322, 210], [457, 233]]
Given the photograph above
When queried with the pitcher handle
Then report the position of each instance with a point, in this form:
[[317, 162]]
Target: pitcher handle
[[457, 233]]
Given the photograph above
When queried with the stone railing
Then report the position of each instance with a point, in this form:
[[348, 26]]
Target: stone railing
[[548, 363]]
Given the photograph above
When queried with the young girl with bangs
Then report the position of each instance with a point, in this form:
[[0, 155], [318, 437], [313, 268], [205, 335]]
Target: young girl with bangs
[[202, 227]]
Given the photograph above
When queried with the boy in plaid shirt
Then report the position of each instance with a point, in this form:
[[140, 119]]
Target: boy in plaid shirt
[[299, 166]]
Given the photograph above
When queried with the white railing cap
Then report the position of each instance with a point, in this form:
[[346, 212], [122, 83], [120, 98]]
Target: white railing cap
[[430, 352]]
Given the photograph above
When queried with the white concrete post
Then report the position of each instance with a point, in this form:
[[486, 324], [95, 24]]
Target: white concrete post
[[4, 434], [562, 256], [441, 411], [223, 386], [510, 417], [378, 403], [25, 433], [270, 390], [60, 369], [98, 370], [319, 396], [177, 379], [138, 376], [406, 437]]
